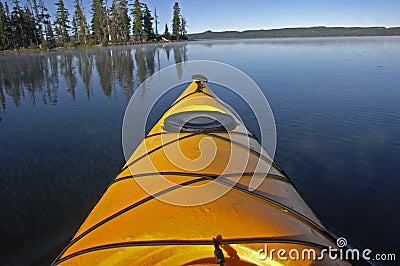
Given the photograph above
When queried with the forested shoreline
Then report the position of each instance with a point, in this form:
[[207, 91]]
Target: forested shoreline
[[32, 27], [319, 31]]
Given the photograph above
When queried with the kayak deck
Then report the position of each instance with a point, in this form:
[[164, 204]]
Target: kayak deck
[[130, 226]]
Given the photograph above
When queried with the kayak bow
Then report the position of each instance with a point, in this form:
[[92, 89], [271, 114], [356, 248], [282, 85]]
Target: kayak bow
[[186, 196]]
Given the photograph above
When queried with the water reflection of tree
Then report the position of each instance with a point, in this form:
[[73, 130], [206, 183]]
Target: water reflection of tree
[[117, 64], [104, 69], [38, 76], [144, 58], [85, 66], [180, 55], [124, 68], [150, 59], [30, 75], [2, 100], [68, 72], [12, 79], [167, 48], [50, 73]]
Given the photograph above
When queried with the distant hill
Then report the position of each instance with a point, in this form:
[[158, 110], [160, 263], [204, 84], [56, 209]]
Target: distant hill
[[299, 32]]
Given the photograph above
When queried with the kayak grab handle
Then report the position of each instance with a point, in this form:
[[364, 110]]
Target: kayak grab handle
[[200, 77]]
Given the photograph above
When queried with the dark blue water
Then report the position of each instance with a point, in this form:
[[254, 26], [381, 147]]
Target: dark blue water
[[336, 103]]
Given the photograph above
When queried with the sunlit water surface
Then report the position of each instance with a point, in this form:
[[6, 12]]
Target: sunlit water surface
[[336, 103]]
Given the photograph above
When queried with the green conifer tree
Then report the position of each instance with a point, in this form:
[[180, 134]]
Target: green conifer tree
[[124, 20], [62, 22], [148, 32], [137, 21], [98, 14], [81, 28], [167, 34], [176, 22]]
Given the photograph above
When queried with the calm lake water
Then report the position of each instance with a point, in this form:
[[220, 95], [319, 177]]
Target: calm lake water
[[336, 103]]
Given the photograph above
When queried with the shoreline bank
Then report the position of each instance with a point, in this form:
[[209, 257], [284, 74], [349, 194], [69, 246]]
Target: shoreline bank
[[62, 48]]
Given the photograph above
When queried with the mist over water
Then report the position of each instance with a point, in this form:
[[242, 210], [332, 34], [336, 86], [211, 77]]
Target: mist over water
[[336, 103]]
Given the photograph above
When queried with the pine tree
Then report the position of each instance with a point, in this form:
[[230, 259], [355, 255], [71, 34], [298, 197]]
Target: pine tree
[[43, 19], [49, 32], [137, 21], [167, 35], [156, 21], [81, 29], [107, 28], [124, 20], [6, 27], [35, 8], [148, 33], [119, 20], [183, 28], [19, 28], [28, 23], [74, 28], [16, 22], [62, 22], [3, 24], [114, 30], [98, 14], [176, 22]]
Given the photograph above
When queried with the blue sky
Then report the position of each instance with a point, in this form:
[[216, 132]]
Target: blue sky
[[217, 15]]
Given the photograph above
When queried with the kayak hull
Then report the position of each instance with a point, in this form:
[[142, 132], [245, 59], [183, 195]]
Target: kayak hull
[[181, 189]]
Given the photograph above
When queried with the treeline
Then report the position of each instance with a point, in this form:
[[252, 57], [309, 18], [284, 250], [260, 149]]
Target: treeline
[[299, 32], [32, 26]]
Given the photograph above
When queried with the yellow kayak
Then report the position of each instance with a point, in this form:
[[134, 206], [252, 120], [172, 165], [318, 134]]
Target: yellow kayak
[[200, 190]]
